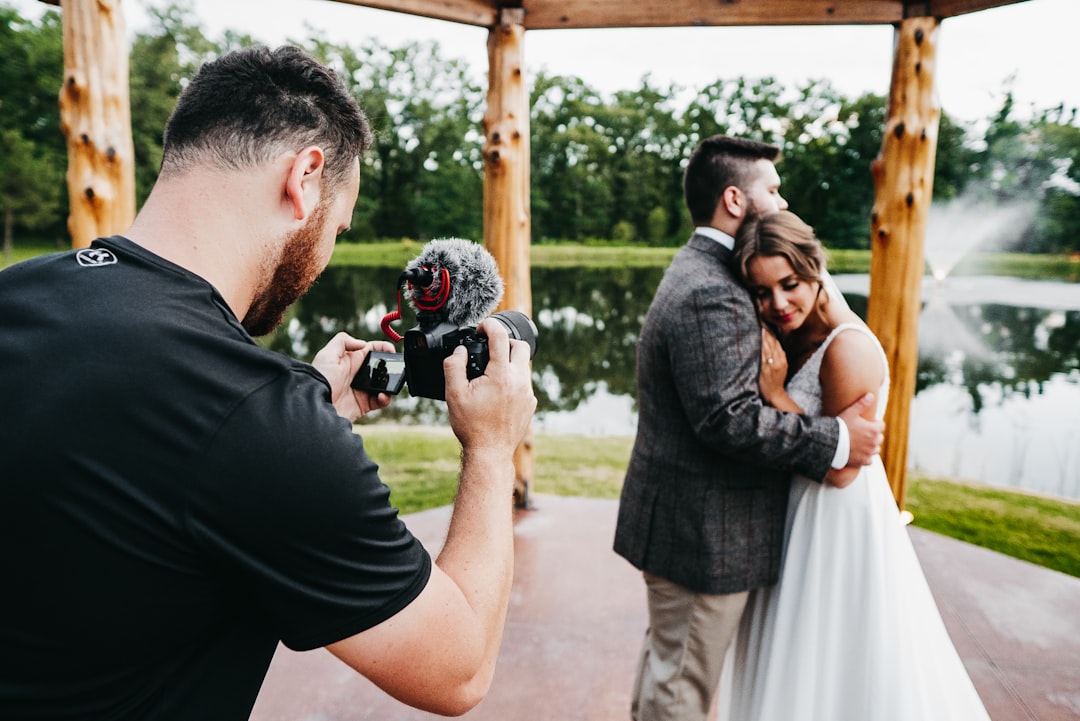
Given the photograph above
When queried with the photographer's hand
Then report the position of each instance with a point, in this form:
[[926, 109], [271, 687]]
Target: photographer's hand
[[338, 362], [494, 410]]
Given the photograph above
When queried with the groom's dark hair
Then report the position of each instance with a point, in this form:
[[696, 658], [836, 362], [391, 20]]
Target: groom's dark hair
[[717, 163]]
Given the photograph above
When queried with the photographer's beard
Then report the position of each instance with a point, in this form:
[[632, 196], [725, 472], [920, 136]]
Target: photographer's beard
[[297, 268]]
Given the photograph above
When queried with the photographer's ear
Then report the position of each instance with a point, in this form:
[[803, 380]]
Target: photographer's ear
[[303, 185]]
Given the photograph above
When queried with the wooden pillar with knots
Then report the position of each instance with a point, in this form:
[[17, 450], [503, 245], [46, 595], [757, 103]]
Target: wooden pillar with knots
[[903, 184], [95, 117], [507, 223]]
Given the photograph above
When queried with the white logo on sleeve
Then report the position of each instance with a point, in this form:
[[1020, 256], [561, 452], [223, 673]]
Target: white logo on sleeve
[[94, 257]]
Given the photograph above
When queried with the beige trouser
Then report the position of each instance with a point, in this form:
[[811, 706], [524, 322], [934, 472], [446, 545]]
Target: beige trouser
[[688, 636]]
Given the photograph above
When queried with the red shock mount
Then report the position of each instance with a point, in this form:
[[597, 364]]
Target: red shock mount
[[429, 300]]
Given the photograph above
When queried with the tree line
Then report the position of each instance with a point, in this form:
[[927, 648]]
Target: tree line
[[604, 169]]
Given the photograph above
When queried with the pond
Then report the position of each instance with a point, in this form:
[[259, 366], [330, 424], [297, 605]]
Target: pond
[[997, 395]]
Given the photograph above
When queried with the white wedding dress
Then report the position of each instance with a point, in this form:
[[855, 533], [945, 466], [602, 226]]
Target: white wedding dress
[[851, 632]]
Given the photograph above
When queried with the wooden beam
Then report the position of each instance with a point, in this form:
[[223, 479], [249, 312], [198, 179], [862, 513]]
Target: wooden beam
[[552, 14], [903, 182], [483, 13], [507, 221], [95, 117], [953, 8]]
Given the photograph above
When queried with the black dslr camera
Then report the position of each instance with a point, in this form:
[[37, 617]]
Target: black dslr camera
[[427, 345], [444, 322]]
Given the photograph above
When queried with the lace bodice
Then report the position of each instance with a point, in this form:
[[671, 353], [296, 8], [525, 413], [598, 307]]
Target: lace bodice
[[805, 386]]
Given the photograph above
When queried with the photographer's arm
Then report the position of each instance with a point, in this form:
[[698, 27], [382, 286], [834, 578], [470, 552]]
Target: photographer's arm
[[439, 653]]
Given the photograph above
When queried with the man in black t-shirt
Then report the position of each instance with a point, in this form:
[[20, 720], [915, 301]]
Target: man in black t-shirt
[[177, 499]]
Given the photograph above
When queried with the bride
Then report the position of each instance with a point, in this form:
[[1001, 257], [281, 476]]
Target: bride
[[851, 632]]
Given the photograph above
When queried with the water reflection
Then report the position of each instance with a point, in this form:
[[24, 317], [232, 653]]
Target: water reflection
[[997, 390]]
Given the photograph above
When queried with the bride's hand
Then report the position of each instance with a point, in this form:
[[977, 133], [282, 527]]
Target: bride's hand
[[773, 368], [774, 373]]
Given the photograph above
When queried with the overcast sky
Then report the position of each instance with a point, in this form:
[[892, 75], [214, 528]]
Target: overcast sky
[[1032, 42]]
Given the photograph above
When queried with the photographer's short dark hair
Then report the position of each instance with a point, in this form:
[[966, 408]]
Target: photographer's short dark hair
[[717, 163], [250, 105]]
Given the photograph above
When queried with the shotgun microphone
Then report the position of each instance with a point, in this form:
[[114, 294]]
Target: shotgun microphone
[[463, 285], [452, 285]]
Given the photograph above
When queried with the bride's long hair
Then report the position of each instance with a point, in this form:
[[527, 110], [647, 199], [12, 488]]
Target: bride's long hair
[[784, 234]]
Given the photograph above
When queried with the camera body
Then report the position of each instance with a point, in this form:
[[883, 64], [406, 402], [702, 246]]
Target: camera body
[[428, 345]]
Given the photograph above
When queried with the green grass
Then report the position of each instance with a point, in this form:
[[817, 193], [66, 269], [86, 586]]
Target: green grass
[[569, 255], [1042, 530], [576, 465], [396, 254], [389, 254], [420, 466], [1021, 265], [573, 256]]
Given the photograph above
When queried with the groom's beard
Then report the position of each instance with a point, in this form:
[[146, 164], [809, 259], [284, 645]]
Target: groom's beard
[[752, 208], [295, 273]]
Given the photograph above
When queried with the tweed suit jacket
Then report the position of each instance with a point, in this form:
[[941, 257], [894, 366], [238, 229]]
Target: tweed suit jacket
[[705, 495]]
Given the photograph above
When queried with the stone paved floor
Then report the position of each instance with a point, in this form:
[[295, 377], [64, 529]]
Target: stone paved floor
[[578, 613]]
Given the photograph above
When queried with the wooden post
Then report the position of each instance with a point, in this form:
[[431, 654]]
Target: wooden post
[[507, 225], [903, 183], [95, 116]]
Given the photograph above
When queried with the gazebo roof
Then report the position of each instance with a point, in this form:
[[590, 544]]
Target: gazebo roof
[[553, 14]]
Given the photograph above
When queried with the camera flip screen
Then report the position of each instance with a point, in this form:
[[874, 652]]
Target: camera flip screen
[[381, 373]]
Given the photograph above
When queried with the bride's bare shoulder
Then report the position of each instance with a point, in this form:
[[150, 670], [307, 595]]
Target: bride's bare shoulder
[[851, 366]]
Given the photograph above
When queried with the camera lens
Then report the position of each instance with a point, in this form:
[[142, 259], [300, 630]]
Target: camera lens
[[519, 327]]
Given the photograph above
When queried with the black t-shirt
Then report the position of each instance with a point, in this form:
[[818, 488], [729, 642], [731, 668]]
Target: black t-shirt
[[174, 499]]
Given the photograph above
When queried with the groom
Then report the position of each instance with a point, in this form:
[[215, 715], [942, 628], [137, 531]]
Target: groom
[[704, 501]]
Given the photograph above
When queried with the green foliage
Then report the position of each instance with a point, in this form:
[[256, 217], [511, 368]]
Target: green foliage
[[657, 224], [955, 166], [1057, 228], [160, 61], [424, 176], [33, 194], [623, 232], [571, 195], [828, 147]]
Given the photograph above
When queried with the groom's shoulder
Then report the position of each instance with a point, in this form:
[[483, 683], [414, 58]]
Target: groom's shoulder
[[703, 262]]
